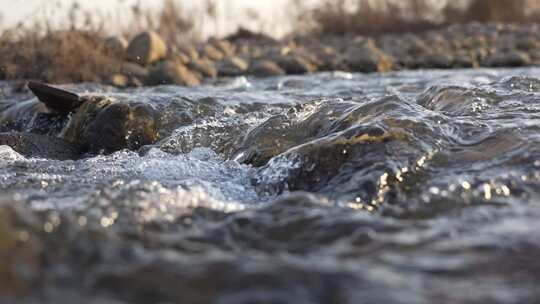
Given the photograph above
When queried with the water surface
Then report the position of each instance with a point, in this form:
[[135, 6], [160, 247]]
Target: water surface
[[406, 187]]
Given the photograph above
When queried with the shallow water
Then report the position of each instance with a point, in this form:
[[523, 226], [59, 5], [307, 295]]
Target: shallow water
[[407, 187]]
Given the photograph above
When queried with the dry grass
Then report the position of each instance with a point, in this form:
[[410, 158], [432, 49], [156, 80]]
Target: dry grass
[[79, 52], [59, 56], [365, 17]]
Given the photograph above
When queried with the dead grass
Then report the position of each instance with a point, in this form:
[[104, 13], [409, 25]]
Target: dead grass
[[79, 53], [58, 56], [365, 17]]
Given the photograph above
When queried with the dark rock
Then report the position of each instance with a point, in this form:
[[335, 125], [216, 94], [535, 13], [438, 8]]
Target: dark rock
[[245, 34], [35, 145]]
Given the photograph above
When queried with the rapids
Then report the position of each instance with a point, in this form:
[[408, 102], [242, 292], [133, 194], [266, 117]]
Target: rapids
[[405, 187]]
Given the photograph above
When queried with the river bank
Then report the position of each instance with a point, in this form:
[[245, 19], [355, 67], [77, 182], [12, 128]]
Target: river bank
[[74, 56]]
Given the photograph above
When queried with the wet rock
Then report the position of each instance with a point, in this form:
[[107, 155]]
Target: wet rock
[[364, 56], [508, 59], [265, 68], [232, 66], [42, 146], [282, 132], [172, 72], [146, 48], [203, 66]]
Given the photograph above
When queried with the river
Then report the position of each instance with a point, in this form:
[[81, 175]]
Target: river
[[405, 187]]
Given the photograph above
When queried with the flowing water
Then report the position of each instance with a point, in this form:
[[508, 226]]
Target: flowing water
[[407, 187]]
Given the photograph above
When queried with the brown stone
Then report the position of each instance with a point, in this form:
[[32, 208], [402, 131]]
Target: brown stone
[[232, 66], [119, 80], [212, 52], [364, 56], [294, 64], [147, 47], [265, 68], [204, 67], [172, 72]]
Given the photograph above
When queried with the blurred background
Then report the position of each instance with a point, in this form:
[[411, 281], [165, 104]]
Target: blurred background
[[75, 40], [200, 19]]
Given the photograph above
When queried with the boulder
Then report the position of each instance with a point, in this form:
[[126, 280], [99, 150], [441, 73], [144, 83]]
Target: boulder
[[146, 48], [232, 66], [172, 72], [265, 68]]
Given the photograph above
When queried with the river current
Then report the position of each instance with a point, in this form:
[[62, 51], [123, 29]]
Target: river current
[[405, 187]]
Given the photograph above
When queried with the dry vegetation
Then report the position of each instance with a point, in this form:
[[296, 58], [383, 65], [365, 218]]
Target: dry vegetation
[[80, 52], [365, 17]]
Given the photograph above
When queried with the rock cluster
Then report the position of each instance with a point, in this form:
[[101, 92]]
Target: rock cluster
[[148, 60]]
